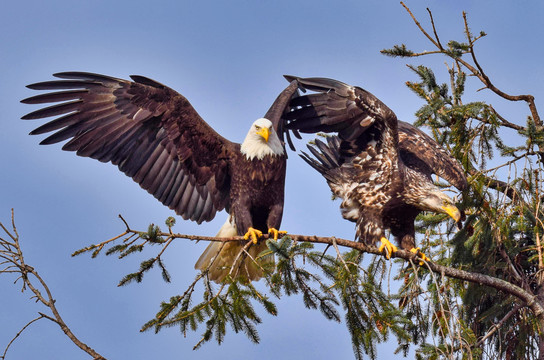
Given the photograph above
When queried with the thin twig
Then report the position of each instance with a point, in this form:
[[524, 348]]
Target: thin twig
[[339, 254], [19, 333], [434, 30], [241, 253], [498, 325], [419, 26]]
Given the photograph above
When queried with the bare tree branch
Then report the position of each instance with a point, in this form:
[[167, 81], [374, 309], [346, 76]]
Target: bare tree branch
[[479, 72], [475, 69], [421, 28], [503, 121], [13, 254], [434, 30]]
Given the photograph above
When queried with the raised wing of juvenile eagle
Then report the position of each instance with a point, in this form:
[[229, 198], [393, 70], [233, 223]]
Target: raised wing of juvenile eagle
[[380, 167], [154, 135]]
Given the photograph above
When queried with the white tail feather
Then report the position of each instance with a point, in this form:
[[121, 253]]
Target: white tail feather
[[219, 257]]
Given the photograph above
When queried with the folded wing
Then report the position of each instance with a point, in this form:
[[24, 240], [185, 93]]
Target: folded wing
[[421, 152]]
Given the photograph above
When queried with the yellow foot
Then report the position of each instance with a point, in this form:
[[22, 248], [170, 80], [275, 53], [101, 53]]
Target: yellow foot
[[276, 232], [421, 255], [386, 244], [254, 234]]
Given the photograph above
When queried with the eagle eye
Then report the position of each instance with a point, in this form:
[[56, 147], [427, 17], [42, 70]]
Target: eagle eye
[[257, 127]]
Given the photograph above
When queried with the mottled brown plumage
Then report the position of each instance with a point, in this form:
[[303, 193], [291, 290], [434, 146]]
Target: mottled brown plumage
[[380, 167], [154, 135]]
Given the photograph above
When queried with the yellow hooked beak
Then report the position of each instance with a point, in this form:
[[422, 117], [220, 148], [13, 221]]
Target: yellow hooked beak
[[452, 211], [264, 132]]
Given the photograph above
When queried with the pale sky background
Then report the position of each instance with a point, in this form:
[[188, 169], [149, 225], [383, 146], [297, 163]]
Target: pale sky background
[[227, 58]]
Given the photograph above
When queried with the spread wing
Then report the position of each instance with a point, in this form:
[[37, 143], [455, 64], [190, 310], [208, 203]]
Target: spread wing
[[419, 151], [360, 118], [356, 115], [148, 130]]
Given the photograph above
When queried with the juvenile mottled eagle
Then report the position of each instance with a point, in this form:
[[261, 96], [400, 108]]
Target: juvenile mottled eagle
[[380, 167], [154, 135]]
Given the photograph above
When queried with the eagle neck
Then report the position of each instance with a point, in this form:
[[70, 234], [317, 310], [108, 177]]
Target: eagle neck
[[254, 147], [419, 186]]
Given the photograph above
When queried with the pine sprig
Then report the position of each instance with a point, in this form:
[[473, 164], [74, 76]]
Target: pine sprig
[[398, 51]]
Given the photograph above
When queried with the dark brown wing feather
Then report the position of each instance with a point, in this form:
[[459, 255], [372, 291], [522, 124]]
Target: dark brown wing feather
[[279, 108], [421, 152], [148, 130], [355, 114]]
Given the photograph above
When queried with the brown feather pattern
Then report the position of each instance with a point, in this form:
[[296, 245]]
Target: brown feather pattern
[[379, 166]]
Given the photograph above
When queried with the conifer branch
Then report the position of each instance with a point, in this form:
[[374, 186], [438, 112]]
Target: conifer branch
[[503, 121], [477, 278]]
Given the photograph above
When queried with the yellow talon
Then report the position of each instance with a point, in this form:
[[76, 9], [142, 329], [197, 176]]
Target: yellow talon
[[421, 255], [276, 232], [386, 244], [254, 234]]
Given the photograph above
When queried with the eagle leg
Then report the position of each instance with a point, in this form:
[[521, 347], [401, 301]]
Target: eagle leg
[[276, 232], [254, 234], [386, 244], [420, 254]]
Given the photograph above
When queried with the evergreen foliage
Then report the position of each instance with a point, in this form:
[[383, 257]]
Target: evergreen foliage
[[501, 235]]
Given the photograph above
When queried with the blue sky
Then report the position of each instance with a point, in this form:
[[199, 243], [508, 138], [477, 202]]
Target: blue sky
[[228, 59]]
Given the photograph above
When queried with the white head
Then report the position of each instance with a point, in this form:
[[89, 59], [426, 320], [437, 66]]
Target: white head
[[261, 140]]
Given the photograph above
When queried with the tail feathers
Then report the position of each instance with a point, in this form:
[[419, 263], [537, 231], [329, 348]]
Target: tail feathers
[[224, 258], [331, 150]]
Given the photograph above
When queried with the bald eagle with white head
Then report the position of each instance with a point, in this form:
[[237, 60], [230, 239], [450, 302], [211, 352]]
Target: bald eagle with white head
[[154, 135], [380, 167]]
